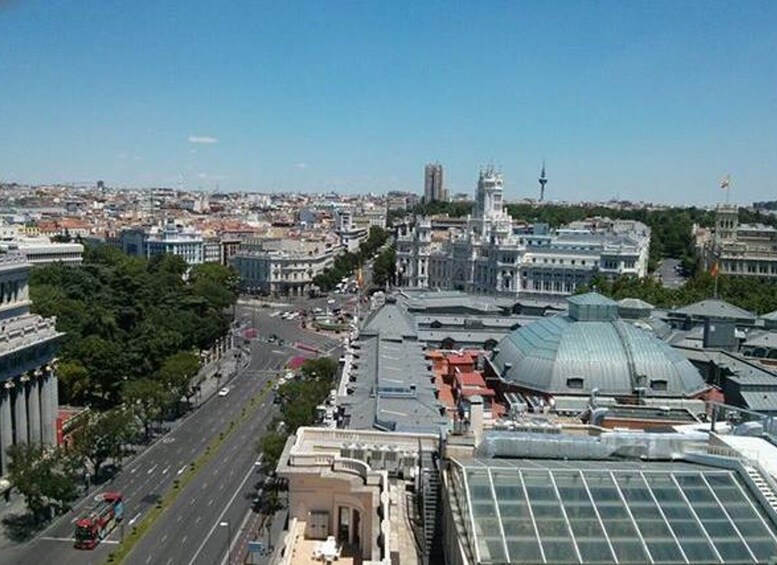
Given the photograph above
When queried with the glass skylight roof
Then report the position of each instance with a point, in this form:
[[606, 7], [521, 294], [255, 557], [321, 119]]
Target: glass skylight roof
[[663, 514]]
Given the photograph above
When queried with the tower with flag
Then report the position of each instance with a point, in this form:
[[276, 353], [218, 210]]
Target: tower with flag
[[725, 184]]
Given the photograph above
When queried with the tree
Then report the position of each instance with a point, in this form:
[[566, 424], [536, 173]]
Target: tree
[[383, 270], [271, 446], [148, 399], [103, 437], [178, 372], [76, 386], [42, 475]]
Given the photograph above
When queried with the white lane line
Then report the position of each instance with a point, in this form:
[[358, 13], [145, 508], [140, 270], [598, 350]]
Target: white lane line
[[183, 539], [197, 521], [210, 502], [71, 540], [164, 538], [180, 517], [192, 501], [152, 469], [166, 469], [181, 470], [134, 518], [218, 520], [148, 559]]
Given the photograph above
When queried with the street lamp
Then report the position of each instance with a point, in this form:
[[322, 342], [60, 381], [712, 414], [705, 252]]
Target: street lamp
[[225, 524]]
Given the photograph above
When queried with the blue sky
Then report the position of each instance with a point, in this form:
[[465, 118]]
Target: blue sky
[[654, 100]]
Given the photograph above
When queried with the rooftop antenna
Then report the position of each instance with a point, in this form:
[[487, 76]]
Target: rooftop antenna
[[543, 181]]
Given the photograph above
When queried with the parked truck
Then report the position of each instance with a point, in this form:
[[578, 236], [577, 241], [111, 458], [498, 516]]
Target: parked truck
[[97, 522]]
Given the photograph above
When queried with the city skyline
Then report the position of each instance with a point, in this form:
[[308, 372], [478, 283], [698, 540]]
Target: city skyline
[[640, 102]]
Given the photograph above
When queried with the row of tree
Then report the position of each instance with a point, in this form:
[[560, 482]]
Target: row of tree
[[130, 322], [49, 478], [347, 263], [754, 294], [384, 267], [298, 399]]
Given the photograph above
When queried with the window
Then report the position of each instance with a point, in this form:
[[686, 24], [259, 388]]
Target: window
[[575, 383], [658, 384]]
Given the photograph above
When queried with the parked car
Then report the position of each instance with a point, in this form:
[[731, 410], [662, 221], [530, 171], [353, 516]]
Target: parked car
[[224, 391]]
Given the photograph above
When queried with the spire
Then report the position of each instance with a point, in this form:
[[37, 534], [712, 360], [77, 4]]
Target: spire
[[543, 181]]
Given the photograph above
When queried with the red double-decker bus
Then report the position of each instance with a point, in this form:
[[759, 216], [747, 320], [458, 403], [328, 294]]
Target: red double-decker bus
[[98, 521]]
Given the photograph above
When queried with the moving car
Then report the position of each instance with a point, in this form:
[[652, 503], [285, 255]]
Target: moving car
[[224, 391]]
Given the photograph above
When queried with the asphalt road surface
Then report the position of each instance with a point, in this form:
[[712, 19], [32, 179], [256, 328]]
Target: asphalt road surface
[[668, 275], [148, 476], [188, 532]]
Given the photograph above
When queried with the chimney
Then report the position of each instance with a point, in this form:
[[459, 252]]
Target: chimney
[[476, 418]]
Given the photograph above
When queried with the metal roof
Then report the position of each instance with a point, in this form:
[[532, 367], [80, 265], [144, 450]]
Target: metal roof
[[715, 308], [759, 400], [529, 511], [559, 355]]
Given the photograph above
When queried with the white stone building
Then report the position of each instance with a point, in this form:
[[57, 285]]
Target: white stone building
[[281, 266], [28, 382], [492, 254], [39, 249]]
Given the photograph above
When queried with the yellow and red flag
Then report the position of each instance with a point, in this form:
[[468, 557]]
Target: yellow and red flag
[[715, 270], [725, 182]]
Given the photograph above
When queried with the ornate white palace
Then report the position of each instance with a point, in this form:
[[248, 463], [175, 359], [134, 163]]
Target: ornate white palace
[[492, 254], [29, 399]]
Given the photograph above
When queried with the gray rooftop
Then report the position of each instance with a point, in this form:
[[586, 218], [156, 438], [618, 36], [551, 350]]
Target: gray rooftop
[[563, 355], [715, 308]]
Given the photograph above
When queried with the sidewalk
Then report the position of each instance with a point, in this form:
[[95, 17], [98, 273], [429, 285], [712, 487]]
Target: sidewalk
[[226, 367]]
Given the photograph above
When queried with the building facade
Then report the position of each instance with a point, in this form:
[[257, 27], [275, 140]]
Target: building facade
[[28, 382], [283, 267], [492, 254], [748, 250]]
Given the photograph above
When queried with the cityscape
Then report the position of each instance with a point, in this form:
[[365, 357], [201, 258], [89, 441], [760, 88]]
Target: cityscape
[[355, 340]]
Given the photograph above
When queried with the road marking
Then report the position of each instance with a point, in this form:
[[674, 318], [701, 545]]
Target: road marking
[[180, 517], [135, 518], [210, 502], [164, 538], [197, 521], [148, 559], [250, 472], [181, 470], [152, 469], [194, 499], [204, 486], [72, 540], [183, 539]]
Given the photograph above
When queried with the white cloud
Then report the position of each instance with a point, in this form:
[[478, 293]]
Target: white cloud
[[205, 139], [301, 165], [208, 176], [193, 151]]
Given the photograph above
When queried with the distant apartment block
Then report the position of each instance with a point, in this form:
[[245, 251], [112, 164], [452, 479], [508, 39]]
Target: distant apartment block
[[491, 254], [351, 235], [739, 249]]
